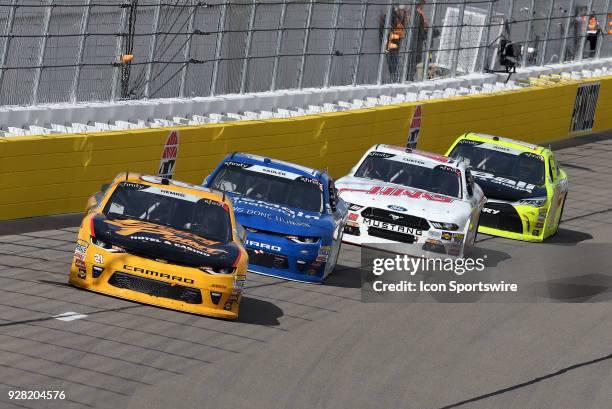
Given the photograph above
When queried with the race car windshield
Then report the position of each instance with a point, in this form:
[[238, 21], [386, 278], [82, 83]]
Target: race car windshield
[[526, 167], [304, 193], [442, 179], [204, 217]]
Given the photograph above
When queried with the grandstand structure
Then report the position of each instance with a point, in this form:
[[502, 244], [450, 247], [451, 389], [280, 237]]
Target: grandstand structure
[[71, 51]]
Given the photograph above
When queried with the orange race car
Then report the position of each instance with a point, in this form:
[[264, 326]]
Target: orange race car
[[162, 242]]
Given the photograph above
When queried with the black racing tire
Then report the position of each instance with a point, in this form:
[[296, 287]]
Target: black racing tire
[[561, 215]]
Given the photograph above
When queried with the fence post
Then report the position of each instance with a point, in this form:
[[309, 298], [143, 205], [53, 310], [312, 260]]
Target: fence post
[[430, 32], [568, 20], [305, 46], [118, 52], [279, 43], [548, 23], [583, 30], [531, 12], [215, 73], [10, 21], [81, 50], [152, 48], [409, 38], [247, 52], [485, 40], [364, 12], [604, 29], [41, 56], [187, 49], [383, 44], [458, 31], [332, 42]]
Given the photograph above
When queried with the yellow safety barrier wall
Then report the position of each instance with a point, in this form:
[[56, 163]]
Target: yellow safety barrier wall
[[52, 174]]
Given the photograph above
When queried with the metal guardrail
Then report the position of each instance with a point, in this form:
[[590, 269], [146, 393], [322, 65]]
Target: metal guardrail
[[54, 51]]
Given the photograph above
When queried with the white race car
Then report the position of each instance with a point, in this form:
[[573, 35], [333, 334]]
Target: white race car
[[411, 202]]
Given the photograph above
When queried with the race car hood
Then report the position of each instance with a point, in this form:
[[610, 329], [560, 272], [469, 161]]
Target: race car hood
[[416, 202], [160, 242], [507, 189], [266, 216]]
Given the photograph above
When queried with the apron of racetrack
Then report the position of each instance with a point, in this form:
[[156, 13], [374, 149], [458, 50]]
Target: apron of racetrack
[[317, 346]]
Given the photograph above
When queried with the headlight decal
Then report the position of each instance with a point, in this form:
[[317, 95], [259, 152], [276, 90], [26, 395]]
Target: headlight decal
[[445, 226], [304, 239], [533, 201]]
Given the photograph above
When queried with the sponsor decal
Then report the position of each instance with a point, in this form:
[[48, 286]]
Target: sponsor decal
[[532, 156], [446, 235], [173, 193], [311, 181], [262, 245], [449, 169], [392, 227], [415, 128], [157, 274], [239, 282], [401, 192], [82, 274], [214, 203], [136, 230], [169, 154], [79, 254], [384, 155], [414, 161], [458, 237], [323, 254], [469, 142], [237, 164], [133, 186], [397, 208], [275, 172], [81, 247], [583, 117], [290, 214], [490, 211], [517, 185]]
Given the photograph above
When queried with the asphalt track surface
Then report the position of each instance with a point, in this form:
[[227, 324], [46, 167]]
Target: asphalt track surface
[[318, 346]]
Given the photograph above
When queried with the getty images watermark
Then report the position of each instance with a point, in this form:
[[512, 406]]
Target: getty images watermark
[[391, 276], [410, 266], [536, 274]]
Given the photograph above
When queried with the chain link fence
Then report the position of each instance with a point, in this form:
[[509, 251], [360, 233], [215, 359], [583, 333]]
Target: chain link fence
[[54, 51]]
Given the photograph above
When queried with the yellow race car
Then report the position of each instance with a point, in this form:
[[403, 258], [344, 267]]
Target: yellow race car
[[162, 242], [525, 187]]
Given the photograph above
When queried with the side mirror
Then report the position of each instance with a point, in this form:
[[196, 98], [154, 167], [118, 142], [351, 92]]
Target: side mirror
[[240, 232], [104, 187]]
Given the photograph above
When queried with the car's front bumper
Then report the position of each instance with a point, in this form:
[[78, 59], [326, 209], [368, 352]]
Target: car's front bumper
[[165, 285], [526, 223], [431, 244], [276, 256]]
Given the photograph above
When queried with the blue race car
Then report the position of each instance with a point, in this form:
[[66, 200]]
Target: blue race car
[[293, 216]]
